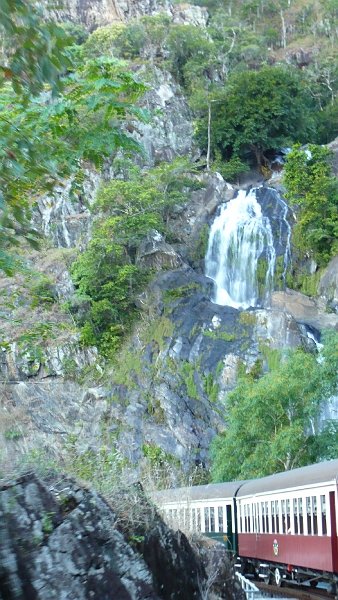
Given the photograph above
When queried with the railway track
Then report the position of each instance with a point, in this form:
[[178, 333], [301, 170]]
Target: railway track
[[294, 592]]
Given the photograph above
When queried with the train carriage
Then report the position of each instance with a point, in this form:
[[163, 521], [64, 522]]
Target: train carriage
[[207, 509], [287, 524], [281, 527]]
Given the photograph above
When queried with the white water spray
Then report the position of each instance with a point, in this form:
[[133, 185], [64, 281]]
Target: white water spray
[[238, 237]]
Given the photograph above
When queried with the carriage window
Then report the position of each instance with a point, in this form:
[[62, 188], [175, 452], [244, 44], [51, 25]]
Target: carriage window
[[220, 518], [273, 524], [288, 516], [300, 515], [267, 517], [212, 519], [284, 530], [314, 515], [249, 520], [187, 518], [245, 519], [240, 519], [193, 514], [308, 515], [295, 514], [206, 519], [323, 512], [255, 513], [181, 518], [170, 516], [199, 520], [258, 518], [263, 516], [277, 515]]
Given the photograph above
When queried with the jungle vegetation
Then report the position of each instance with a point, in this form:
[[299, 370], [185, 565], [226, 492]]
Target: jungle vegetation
[[273, 418], [64, 98]]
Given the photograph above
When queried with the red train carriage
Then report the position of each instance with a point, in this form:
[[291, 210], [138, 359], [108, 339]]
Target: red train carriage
[[287, 527]]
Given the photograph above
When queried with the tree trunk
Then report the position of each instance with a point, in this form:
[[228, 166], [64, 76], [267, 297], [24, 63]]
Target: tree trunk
[[283, 29], [209, 136]]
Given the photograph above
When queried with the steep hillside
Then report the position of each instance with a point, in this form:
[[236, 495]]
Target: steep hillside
[[119, 356]]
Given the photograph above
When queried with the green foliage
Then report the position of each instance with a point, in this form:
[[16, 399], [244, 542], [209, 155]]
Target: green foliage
[[247, 318], [261, 110], [43, 142], [158, 331], [104, 41], [12, 434], [47, 523], [188, 372], [211, 387], [127, 367], [34, 49], [216, 334], [106, 274], [180, 292], [43, 293], [156, 455], [272, 422], [273, 357], [101, 467], [309, 184], [230, 170], [76, 31], [201, 245]]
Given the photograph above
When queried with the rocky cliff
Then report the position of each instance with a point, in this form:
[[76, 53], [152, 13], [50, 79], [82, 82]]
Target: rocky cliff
[[163, 400], [103, 12]]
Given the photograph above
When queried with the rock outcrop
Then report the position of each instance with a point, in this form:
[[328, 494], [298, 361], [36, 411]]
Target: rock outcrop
[[155, 253], [304, 310], [59, 540], [328, 285], [103, 12]]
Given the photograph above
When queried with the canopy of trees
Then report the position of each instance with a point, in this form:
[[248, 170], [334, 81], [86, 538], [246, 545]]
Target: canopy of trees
[[272, 422], [258, 111]]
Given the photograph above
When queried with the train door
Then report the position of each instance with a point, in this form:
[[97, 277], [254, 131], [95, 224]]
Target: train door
[[333, 530]]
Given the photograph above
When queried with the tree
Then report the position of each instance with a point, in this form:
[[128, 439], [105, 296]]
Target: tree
[[310, 184], [54, 121], [106, 274], [272, 422], [34, 50], [259, 111]]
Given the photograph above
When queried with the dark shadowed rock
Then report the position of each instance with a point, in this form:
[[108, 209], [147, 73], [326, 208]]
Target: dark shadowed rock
[[60, 540]]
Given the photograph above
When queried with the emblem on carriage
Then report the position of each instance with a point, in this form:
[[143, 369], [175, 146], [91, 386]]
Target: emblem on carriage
[[275, 547]]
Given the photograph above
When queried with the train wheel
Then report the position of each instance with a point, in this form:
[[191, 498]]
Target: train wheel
[[278, 577], [313, 584]]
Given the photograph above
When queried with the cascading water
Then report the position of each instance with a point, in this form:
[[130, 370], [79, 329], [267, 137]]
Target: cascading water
[[238, 237]]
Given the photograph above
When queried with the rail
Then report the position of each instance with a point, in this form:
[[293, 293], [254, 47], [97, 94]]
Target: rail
[[251, 590]]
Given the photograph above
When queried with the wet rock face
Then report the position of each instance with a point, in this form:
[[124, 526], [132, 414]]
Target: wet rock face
[[59, 540], [180, 376]]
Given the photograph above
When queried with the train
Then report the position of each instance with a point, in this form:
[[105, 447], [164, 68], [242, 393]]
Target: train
[[278, 528]]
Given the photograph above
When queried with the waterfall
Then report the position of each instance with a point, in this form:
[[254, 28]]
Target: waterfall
[[239, 236]]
